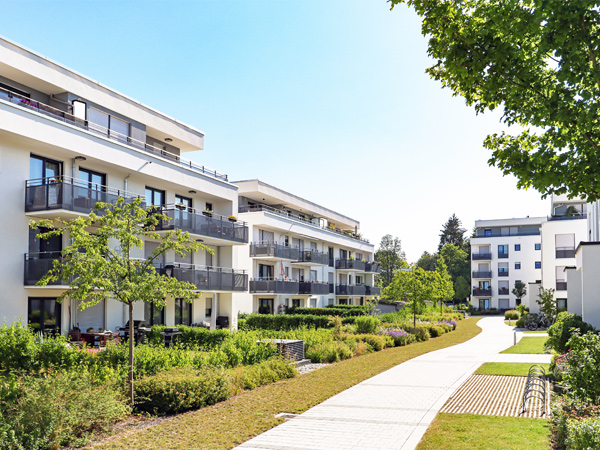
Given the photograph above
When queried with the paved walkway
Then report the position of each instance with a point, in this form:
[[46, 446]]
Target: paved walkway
[[392, 410]]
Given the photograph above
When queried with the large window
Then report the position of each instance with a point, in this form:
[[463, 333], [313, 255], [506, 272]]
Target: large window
[[42, 167], [153, 314], [183, 312], [484, 303], [155, 197], [43, 314], [561, 304], [265, 271], [182, 202], [503, 251], [50, 247], [101, 122], [93, 180], [265, 306]]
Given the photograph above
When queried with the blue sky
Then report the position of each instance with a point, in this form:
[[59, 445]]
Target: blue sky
[[329, 100]]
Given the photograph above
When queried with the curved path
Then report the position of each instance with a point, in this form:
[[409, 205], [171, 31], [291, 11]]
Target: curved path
[[392, 410]]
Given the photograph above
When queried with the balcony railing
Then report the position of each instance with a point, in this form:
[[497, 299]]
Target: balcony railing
[[482, 274], [314, 257], [571, 217], [502, 255], [373, 267], [565, 252], [273, 250], [44, 194], [37, 265], [207, 278], [481, 256], [346, 289], [203, 223], [561, 285], [350, 264], [304, 219], [373, 290], [478, 292], [67, 117], [331, 288], [313, 288], [503, 291], [274, 286], [503, 273]]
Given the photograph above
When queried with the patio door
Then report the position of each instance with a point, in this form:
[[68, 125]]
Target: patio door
[[265, 306]]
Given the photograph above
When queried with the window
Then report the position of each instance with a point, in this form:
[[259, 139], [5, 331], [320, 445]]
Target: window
[[208, 307], [154, 197], [517, 282], [517, 265], [47, 248], [296, 302], [266, 236], [265, 306], [313, 302], [517, 247], [182, 202], [484, 303], [561, 304], [46, 168], [538, 264], [503, 304], [183, 312], [265, 271], [153, 314], [487, 232], [208, 206], [503, 251], [538, 246], [343, 301], [91, 179], [43, 314], [108, 125]]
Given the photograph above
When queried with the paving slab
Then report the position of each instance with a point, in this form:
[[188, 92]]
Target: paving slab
[[392, 410]]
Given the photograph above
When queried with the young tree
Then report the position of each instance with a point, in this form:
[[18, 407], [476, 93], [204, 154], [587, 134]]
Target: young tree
[[444, 289], [519, 291], [462, 288], [391, 257], [99, 259], [539, 62], [414, 285], [547, 303], [427, 261], [452, 232]]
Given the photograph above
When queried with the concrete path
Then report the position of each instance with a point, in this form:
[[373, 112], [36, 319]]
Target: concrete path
[[392, 410]]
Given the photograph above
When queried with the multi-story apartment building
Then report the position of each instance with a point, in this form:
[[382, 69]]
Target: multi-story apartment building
[[533, 250], [301, 253], [66, 142]]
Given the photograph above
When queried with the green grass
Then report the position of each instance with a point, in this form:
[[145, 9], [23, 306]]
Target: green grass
[[238, 419], [473, 432], [535, 331], [512, 369], [528, 345]]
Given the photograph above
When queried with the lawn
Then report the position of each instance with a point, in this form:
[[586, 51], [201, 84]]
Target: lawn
[[234, 421], [535, 331], [512, 369], [474, 432], [528, 345]]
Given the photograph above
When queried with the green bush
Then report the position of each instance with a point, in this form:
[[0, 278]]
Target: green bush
[[56, 410], [367, 324], [374, 341], [285, 321], [580, 375], [560, 332], [421, 334], [583, 434], [520, 323], [331, 311], [522, 309], [436, 330], [332, 351], [180, 390], [250, 377], [511, 314], [191, 337]]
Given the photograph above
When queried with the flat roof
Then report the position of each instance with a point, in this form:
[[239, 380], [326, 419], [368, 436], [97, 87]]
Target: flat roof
[[513, 222]]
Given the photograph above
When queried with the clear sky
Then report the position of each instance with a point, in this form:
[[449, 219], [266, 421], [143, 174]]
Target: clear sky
[[326, 99]]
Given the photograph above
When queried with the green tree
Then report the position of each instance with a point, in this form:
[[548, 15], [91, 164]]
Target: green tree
[[391, 257], [519, 291], [414, 286], [462, 288], [452, 232], [427, 261], [547, 303], [539, 62], [458, 261], [99, 259], [444, 290]]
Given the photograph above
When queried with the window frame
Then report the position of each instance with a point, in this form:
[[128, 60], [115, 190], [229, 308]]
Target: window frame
[[538, 264], [42, 324]]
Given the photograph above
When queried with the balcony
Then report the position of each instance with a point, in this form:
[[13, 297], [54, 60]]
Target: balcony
[[502, 272], [68, 118], [503, 291], [203, 224], [273, 286], [66, 193], [37, 265], [482, 274], [502, 255], [481, 256], [568, 217], [373, 290], [350, 265], [373, 267], [345, 289], [273, 250], [207, 278], [331, 288], [313, 288], [565, 252], [312, 258], [480, 292], [561, 285]]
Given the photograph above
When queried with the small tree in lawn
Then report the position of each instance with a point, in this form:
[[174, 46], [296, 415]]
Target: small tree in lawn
[[462, 288], [443, 290], [519, 291], [100, 265], [547, 303], [414, 285]]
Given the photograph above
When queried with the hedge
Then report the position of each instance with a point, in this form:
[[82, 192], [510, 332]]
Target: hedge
[[191, 336], [286, 321], [330, 311]]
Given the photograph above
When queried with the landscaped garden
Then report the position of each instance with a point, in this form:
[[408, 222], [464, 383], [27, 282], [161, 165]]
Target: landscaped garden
[[57, 394]]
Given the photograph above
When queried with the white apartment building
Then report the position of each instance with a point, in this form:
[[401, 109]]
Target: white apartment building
[[535, 251], [301, 253]]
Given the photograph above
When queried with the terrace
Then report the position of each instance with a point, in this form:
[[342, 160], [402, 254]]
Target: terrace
[[207, 278]]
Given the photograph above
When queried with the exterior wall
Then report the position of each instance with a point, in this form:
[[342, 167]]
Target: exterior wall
[[590, 284], [574, 303]]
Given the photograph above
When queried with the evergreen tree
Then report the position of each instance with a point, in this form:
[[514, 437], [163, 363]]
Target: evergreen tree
[[452, 232], [391, 257]]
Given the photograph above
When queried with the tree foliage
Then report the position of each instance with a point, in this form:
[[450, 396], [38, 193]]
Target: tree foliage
[[391, 257], [520, 290], [462, 288], [444, 288], [99, 261], [539, 62], [452, 232], [427, 260], [547, 303]]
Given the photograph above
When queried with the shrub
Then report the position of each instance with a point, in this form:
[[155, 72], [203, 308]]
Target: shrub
[[523, 309], [399, 336], [560, 332], [421, 334], [285, 321], [580, 376], [367, 324], [374, 341], [435, 330], [331, 311], [520, 323], [56, 410], [332, 351], [191, 337], [266, 372], [180, 390], [511, 314], [583, 434]]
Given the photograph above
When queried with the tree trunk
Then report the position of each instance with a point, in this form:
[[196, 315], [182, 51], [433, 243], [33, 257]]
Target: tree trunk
[[131, 342]]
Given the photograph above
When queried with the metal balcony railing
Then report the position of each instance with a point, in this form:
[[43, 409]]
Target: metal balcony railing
[[274, 286], [204, 223], [37, 265], [44, 194], [503, 272], [314, 257], [373, 267], [207, 278], [565, 252], [273, 250], [502, 255], [373, 290], [67, 117], [482, 274], [331, 288], [571, 217], [561, 285], [503, 291], [346, 289], [350, 264], [478, 292], [313, 288], [481, 256]]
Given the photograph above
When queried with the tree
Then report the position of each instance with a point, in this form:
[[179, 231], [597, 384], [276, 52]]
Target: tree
[[391, 257], [539, 62], [427, 261], [444, 290], [459, 263], [416, 286], [99, 260], [462, 288], [452, 232], [519, 291], [547, 303]]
